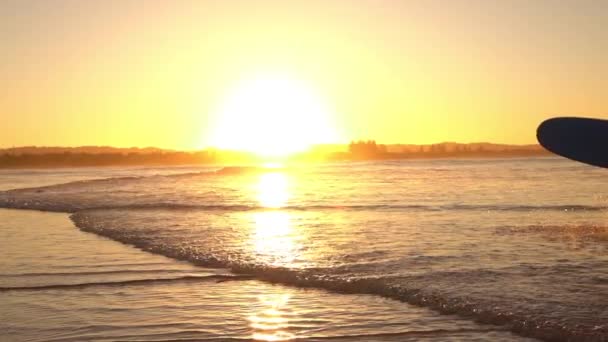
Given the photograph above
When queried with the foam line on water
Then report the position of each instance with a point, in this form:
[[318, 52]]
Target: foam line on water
[[17, 202], [216, 277]]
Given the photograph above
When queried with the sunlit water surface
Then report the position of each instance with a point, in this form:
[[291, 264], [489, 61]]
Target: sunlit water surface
[[521, 243]]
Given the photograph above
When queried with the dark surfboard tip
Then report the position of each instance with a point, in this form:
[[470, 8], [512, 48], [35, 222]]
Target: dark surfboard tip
[[541, 132], [548, 131], [581, 139]]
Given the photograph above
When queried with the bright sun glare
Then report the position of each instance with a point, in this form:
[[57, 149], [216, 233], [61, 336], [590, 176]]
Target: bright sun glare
[[272, 116]]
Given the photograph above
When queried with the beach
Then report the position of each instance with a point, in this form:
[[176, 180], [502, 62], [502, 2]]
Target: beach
[[277, 254]]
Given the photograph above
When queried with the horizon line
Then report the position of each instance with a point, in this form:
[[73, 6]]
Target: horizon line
[[221, 149]]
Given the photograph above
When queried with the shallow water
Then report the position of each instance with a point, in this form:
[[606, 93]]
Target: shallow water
[[518, 242], [60, 284]]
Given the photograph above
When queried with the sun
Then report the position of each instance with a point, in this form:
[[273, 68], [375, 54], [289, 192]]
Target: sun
[[272, 115]]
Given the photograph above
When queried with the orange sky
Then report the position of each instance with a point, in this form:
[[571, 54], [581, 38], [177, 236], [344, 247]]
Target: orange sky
[[155, 73]]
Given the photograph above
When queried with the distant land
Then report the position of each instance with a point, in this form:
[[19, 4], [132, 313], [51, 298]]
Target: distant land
[[50, 157]]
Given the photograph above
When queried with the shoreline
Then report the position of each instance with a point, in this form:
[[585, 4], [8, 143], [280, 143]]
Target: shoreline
[[258, 162]]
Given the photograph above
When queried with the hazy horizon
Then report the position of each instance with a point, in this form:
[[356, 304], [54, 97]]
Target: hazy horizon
[[310, 147]]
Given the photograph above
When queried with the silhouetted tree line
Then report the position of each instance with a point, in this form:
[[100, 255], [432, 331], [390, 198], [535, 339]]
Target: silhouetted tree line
[[370, 150], [33, 157], [69, 159], [366, 149]]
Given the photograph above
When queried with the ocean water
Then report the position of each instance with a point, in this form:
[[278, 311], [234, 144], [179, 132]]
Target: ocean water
[[485, 249]]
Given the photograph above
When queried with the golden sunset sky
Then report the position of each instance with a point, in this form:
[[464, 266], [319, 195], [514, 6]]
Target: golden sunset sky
[[190, 74]]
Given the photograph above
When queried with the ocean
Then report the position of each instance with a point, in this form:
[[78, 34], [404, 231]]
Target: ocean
[[467, 249]]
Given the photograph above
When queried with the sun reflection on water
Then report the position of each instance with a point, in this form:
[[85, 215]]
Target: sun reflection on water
[[272, 322], [273, 238], [273, 190]]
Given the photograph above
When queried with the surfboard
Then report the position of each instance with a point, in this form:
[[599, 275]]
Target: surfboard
[[581, 139]]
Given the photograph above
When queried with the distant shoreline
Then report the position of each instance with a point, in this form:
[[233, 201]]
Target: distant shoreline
[[51, 160]]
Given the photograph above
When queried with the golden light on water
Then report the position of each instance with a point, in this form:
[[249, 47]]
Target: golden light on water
[[273, 238], [274, 241], [272, 322], [273, 190]]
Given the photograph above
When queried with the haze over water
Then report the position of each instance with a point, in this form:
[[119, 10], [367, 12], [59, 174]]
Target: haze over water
[[518, 243]]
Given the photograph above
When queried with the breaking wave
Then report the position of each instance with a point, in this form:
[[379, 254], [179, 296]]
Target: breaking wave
[[449, 292]]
